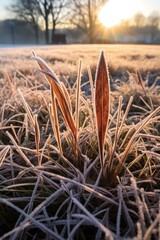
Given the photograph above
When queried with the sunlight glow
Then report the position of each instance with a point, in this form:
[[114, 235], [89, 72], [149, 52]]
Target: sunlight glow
[[114, 11]]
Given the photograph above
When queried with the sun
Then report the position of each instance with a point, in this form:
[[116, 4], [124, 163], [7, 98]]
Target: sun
[[114, 11]]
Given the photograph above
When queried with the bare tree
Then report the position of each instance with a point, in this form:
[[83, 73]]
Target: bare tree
[[52, 10], [27, 10], [85, 16], [45, 10], [58, 13], [139, 20], [153, 24]]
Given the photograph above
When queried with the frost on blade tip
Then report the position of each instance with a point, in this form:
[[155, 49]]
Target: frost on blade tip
[[59, 93]]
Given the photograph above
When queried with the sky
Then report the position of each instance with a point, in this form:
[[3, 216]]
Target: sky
[[115, 11], [3, 11], [144, 6]]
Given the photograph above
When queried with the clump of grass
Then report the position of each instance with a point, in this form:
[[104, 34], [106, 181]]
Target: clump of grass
[[79, 169]]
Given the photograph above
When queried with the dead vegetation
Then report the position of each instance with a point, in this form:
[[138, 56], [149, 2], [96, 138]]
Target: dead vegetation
[[79, 167]]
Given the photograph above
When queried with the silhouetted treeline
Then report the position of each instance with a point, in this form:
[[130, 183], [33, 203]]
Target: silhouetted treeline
[[42, 21], [17, 32], [50, 15], [44, 14], [139, 29]]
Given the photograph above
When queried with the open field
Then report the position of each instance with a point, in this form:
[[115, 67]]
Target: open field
[[68, 170], [120, 57]]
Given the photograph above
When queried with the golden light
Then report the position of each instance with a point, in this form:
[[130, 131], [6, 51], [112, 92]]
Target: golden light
[[114, 11]]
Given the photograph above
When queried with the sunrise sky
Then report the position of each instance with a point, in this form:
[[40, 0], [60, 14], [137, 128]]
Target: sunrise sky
[[115, 11], [144, 6]]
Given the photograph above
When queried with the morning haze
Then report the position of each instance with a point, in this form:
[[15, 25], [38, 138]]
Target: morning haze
[[67, 22]]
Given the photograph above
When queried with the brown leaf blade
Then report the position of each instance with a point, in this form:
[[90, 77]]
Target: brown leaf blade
[[67, 97], [54, 120], [102, 103], [57, 89]]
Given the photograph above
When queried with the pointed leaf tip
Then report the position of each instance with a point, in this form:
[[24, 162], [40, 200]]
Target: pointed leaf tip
[[58, 90], [33, 53]]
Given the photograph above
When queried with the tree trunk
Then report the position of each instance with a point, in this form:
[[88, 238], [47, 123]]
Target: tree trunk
[[91, 23], [91, 37], [36, 34], [36, 30], [53, 30], [46, 30], [91, 41]]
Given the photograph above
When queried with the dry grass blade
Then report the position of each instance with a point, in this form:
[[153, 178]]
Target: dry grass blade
[[37, 139], [139, 205], [108, 234], [92, 96], [37, 223], [149, 232], [54, 119], [119, 212], [47, 147], [131, 141], [125, 115], [28, 110], [43, 66], [118, 130], [2, 114], [3, 154], [11, 83], [91, 83], [63, 105], [56, 87], [140, 81], [15, 134], [18, 149], [66, 96], [110, 164], [102, 103], [77, 106]]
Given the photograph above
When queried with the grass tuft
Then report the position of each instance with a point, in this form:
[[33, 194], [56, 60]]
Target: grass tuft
[[78, 164]]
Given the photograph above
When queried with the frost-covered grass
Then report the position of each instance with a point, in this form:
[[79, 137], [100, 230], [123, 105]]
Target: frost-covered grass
[[120, 57], [55, 181]]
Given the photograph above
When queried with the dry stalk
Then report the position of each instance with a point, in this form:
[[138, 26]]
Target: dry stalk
[[91, 83], [18, 149], [37, 139], [77, 107], [131, 141], [3, 154], [66, 96], [54, 120], [108, 234], [110, 164], [28, 110], [140, 81]]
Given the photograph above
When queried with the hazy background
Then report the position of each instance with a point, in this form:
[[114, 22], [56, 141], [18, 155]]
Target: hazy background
[[79, 21]]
